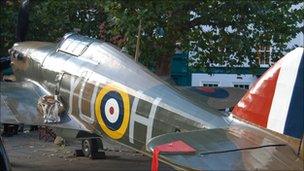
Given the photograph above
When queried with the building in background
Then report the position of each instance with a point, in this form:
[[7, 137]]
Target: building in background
[[240, 77], [221, 76]]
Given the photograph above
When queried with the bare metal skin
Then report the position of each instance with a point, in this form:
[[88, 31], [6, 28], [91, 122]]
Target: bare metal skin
[[106, 93]]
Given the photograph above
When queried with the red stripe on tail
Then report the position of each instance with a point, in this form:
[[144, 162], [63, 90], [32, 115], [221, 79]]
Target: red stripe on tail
[[256, 104]]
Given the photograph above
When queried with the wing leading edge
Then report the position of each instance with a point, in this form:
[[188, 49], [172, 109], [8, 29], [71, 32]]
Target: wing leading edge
[[236, 148], [19, 106]]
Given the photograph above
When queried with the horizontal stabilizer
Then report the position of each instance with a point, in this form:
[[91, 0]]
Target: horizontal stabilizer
[[236, 148]]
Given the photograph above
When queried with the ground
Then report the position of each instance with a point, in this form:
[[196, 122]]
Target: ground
[[27, 152]]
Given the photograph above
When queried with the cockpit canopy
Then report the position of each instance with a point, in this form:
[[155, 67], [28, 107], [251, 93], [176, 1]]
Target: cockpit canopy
[[74, 44]]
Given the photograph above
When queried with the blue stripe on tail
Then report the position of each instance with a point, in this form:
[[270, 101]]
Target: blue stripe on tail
[[294, 125]]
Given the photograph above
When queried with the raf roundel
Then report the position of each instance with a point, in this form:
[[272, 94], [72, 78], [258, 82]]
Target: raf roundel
[[112, 110]]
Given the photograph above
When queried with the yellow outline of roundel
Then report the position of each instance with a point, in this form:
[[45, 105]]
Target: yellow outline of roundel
[[117, 134]]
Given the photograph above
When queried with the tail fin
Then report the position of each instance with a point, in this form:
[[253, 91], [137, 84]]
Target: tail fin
[[276, 100]]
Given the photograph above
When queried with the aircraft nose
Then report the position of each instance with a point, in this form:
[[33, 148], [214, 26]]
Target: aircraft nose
[[19, 56], [23, 50], [18, 51], [15, 54]]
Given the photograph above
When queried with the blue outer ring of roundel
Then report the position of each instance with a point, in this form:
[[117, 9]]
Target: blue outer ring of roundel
[[115, 95]]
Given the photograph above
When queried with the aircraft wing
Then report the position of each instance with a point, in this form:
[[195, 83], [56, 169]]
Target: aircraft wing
[[218, 98], [19, 106], [236, 148]]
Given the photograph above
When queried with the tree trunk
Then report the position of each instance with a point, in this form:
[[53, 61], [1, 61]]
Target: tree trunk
[[163, 68], [175, 30]]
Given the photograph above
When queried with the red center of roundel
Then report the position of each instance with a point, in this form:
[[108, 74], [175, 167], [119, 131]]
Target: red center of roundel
[[207, 89], [111, 110]]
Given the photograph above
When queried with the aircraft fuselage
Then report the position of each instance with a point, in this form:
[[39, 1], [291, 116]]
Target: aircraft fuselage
[[109, 93]]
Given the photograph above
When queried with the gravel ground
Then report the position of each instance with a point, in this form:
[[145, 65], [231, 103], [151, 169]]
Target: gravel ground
[[27, 152]]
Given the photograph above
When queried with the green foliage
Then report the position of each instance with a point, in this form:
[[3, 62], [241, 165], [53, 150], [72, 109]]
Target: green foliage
[[163, 24], [49, 20], [252, 24], [8, 20], [234, 28]]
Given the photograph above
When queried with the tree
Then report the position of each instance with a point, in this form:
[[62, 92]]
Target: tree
[[8, 18], [221, 32], [49, 20], [163, 24]]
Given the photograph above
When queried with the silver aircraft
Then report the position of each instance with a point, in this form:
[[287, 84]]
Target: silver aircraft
[[91, 89]]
